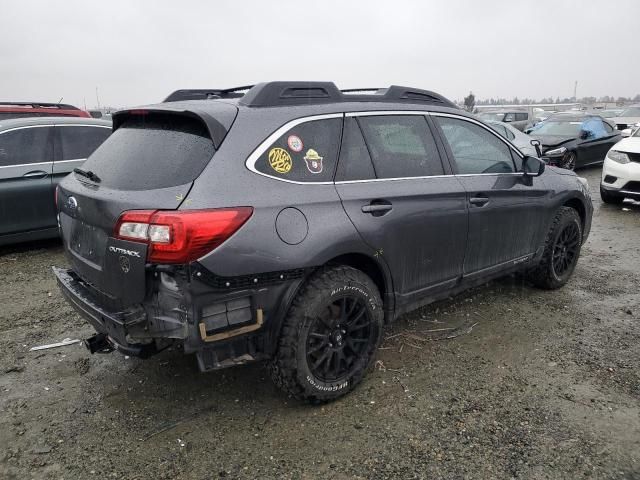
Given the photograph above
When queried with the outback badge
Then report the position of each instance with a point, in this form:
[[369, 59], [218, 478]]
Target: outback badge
[[313, 161]]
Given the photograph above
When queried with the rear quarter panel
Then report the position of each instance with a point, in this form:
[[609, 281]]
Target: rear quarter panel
[[258, 247]]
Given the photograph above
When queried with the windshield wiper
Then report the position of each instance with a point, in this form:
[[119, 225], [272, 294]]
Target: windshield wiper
[[88, 174]]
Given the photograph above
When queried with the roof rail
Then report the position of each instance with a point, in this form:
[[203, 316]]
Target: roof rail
[[276, 94], [273, 94], [40, 104], [207, 93]]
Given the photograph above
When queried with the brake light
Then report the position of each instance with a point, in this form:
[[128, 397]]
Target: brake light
[[180, 236]]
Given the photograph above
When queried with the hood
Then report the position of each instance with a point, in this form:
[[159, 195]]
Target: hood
[[629, 145], [552, 140]]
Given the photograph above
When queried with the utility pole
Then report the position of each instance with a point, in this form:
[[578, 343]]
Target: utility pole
[[575, 91], [97, 98]]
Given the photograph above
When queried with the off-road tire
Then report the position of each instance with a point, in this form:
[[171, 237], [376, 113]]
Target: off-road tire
[[544, 274], [612, 198], [290, 369]]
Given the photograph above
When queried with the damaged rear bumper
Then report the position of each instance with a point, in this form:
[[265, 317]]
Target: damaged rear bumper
[[223, 324], [113, 325]]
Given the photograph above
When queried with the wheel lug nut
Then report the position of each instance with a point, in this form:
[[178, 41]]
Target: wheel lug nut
[[343, 331], [330, 344]]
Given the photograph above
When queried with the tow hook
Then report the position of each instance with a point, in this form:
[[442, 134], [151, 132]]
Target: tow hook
[[99, 343]]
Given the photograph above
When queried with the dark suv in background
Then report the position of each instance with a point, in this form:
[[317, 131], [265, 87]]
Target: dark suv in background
[[35, 154], [291, 222]]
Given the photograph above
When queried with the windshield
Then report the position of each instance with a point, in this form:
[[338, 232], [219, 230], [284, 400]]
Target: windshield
[[631, 112], [492, 116], [637, 132], [564, 129], [151, 152]]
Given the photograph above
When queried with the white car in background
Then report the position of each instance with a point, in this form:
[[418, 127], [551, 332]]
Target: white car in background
[[621, 171], [629, 117], [515, 136]]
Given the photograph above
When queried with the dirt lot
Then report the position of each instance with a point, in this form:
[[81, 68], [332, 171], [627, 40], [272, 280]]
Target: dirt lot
[[545, 385]]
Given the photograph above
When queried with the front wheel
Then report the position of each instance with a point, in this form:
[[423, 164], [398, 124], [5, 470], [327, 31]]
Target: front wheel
[[569, 161], [561, 250], [329, 336]]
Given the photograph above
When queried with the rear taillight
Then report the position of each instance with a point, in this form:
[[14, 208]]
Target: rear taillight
[[180, 236]]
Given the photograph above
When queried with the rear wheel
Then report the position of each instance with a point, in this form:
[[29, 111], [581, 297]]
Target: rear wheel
[[561, 250], [330, 335], [609, 197]]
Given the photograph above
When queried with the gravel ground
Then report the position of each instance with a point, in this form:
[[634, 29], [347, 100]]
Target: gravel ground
[[534, 384]]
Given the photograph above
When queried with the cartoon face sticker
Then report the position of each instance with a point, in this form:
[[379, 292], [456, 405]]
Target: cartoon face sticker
[[280, 160], [295, 143], [313, 161]]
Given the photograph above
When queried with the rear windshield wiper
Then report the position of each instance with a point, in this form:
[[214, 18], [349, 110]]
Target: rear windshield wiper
[[87, 173]]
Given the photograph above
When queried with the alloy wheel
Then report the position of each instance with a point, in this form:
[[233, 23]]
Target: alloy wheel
[[565, 250], [338, 339], [569, 161]]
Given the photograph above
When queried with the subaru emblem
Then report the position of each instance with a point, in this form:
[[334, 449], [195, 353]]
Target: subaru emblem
[[72, 203]]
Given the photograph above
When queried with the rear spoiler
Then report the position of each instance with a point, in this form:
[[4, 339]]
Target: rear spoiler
[[217, 119]]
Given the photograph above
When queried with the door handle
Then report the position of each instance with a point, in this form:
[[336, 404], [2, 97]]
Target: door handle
[[36, 174], [377, 209], [479, 201]]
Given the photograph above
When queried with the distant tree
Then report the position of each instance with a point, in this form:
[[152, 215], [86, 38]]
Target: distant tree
[[470, 102], [636, 98]]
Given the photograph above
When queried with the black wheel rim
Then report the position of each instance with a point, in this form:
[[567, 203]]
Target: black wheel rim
[[570, 161], [565, 250], [339, 339]]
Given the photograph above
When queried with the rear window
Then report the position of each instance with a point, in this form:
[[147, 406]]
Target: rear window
[[152, 151]]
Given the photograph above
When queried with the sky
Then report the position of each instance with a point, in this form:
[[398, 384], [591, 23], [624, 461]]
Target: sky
[[135, 52]]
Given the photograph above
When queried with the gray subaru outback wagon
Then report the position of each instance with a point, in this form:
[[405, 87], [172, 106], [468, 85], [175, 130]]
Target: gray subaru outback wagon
[[290, 221]]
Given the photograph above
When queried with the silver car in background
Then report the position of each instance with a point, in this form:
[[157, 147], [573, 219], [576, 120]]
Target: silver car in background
[[515, 136]]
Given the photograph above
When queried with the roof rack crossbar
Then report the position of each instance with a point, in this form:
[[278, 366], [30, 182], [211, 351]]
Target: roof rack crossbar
[[40, 104]]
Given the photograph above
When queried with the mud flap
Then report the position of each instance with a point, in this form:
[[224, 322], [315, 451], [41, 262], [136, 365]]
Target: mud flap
[[124, 270]]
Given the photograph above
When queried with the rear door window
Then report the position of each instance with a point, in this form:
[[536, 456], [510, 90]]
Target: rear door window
[[307, 152], [355, 161], [475, 149], [401, 146], [26, 145], [78, 141], [152, 151]]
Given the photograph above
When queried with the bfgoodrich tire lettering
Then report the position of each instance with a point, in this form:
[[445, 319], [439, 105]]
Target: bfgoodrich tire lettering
[[330, 335], [561, 250]]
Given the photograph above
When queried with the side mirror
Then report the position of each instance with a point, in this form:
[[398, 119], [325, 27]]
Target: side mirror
[[536, 144], [626, 132], [532, 166], [584, 134]]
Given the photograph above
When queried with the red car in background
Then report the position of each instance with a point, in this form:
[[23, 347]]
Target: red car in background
[[39, 109]]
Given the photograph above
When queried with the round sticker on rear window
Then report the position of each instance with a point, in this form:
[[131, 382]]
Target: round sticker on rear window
[[295, 143], [280, 160]]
